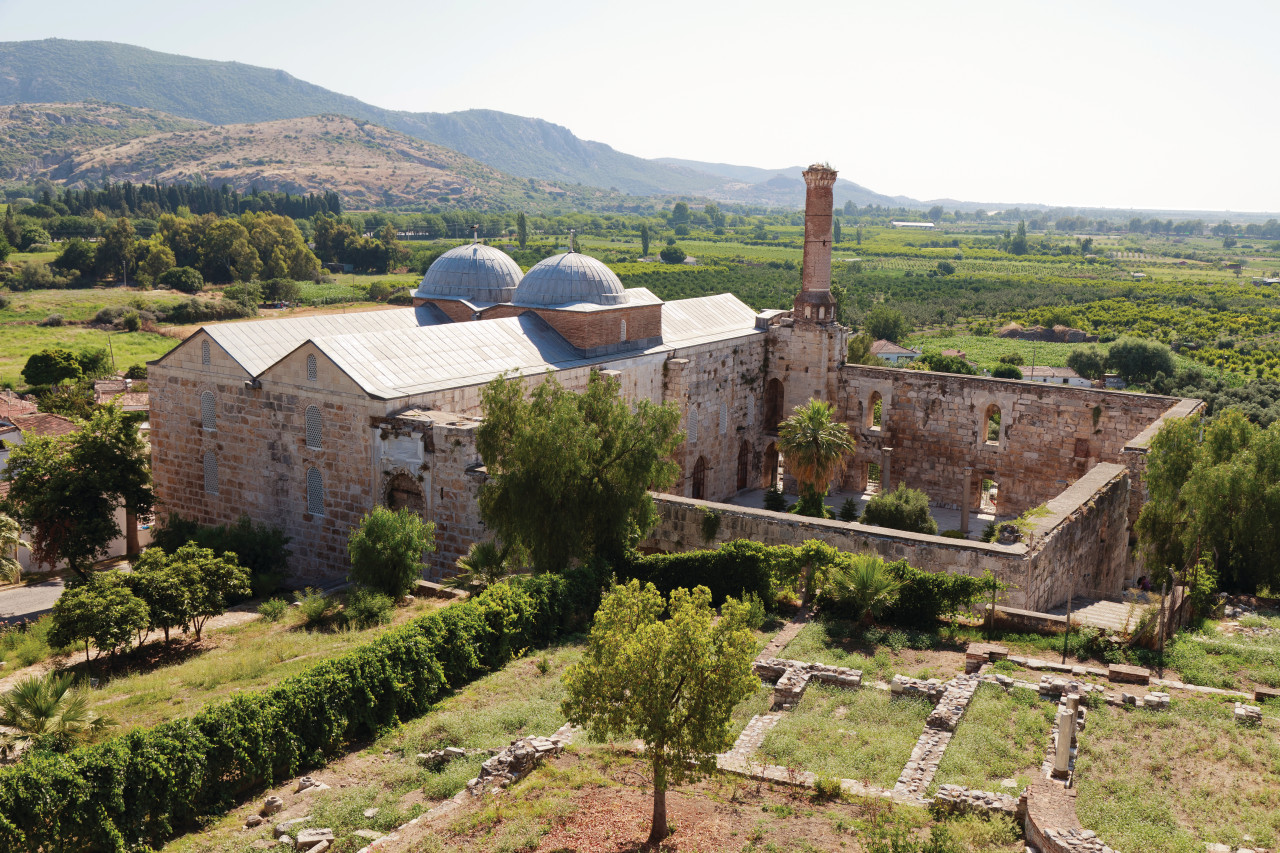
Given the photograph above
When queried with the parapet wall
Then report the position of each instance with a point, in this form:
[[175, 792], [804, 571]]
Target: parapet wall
[[1082, 541]]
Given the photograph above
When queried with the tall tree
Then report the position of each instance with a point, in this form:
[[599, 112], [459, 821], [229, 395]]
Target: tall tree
[[569, 474], [65, 490], [10, 541], [644, 239], [522, 229], [815, 447], [115, 254], [1018, 245], [886, 324], [671, 683]]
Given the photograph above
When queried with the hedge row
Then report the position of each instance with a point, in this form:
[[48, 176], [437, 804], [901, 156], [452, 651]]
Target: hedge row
[[139, 789], [736, 568]]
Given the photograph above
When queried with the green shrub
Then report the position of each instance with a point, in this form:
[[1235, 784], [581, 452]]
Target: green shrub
[[258, 547], [774, 501], [901, 509], [366, 608], [849, 510], [182, 279], [953, 534], [735, 569], [386, 550], [925, 597], [316, 607], [139, 789], [826, 788], [273, 608], [1006, 371]]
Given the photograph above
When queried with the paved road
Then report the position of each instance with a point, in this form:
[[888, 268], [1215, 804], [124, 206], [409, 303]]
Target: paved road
[[29, 601]]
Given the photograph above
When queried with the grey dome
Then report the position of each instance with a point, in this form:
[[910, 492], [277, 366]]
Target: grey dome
[[569, 278], [475, 272]]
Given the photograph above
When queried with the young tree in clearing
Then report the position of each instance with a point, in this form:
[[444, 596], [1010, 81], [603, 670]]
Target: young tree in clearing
[[671, 683], [815, 447], [209, 581], [386, 550], [522, 229], [570, 474]]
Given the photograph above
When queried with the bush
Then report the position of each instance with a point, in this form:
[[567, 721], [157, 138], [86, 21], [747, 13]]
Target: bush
[[52, 320], [1006, 371], [672, 255], [366, 608], [138, 372], [849, 510], [282, 290], [258, 547], [774, 500], [736, 569], [182, 279], [386, 550], [273, 608], [182, 772], [901, 509], [315, 606], [925, 597]]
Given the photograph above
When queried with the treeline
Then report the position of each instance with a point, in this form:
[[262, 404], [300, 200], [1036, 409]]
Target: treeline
[[151, 200]]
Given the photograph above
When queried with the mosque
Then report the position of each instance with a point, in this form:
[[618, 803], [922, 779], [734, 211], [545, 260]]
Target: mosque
[[307, 423]]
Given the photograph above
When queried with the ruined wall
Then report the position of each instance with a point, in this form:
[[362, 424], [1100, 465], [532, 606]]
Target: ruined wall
[[720, 386], [1084, 534], [1049, 436]]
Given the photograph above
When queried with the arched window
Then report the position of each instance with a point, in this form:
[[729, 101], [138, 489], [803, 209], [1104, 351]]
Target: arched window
[[875, 411], [311, 368], [204, 352], [624, 331], [405, 492], [313, 427], [315, 492], [724, 417], [691, 426], [744, 464], [700, 479], [991, 425], [208, 411], [210, 472], [751, 411], [773, 397]]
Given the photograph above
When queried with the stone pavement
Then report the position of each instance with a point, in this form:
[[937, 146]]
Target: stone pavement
[[1116, 616]]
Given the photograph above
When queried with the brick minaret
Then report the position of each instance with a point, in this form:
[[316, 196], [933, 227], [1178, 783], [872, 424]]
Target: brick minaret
[[814, 303]]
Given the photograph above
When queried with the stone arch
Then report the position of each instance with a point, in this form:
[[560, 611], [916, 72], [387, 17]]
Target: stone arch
[[744, 464], [699, 478], [405, 492], [774, 399], [992, 427], [875, 411]]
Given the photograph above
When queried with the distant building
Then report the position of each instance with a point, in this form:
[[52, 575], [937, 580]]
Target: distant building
[[1055, 376], [894, 354], [926, 225]]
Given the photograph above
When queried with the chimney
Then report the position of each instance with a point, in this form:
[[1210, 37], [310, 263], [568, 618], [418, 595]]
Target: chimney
[[814, 303]]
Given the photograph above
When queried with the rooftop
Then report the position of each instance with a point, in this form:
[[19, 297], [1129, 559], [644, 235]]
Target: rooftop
[[39, 424], [883, 348]]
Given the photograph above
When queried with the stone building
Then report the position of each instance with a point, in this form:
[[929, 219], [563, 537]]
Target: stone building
[[306, 423]]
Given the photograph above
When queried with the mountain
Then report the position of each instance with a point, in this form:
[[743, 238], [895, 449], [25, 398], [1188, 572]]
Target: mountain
[[35, 136], [62, 71], [366, 164], [751, 185]]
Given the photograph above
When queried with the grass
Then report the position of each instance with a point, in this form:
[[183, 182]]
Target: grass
[[19, 649], [1003, 736], [18, 342], [879, 653], [514, 702], [242, 657], [80, 304], [848, 734], [1231, 662], [1177, 780]]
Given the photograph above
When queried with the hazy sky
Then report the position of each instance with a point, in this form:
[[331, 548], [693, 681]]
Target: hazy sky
[[1163, 104]]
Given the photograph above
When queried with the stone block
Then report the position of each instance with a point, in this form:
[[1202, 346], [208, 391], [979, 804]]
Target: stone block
[[1248, 715], [1125, 674], [1266, 694]]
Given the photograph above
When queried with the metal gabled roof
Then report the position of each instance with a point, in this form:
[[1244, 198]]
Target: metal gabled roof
[[258, 344], [706, 319], [400, 362]]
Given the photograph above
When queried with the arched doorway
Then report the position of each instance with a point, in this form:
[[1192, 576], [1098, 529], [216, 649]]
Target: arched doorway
[[405, 492], [744, 464], [770, 478], [773, 399], [700, 479]]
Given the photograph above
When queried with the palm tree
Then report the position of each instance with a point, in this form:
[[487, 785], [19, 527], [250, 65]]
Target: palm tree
[[45, 710], [10, 541], [864, 585], [485, 564], [815, 447]]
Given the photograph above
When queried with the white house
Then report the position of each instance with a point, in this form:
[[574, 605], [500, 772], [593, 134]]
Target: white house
[[1055, 376], [894, 354]]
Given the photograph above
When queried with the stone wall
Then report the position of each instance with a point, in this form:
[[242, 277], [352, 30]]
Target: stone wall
[[935, 423], [1083, 539]]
